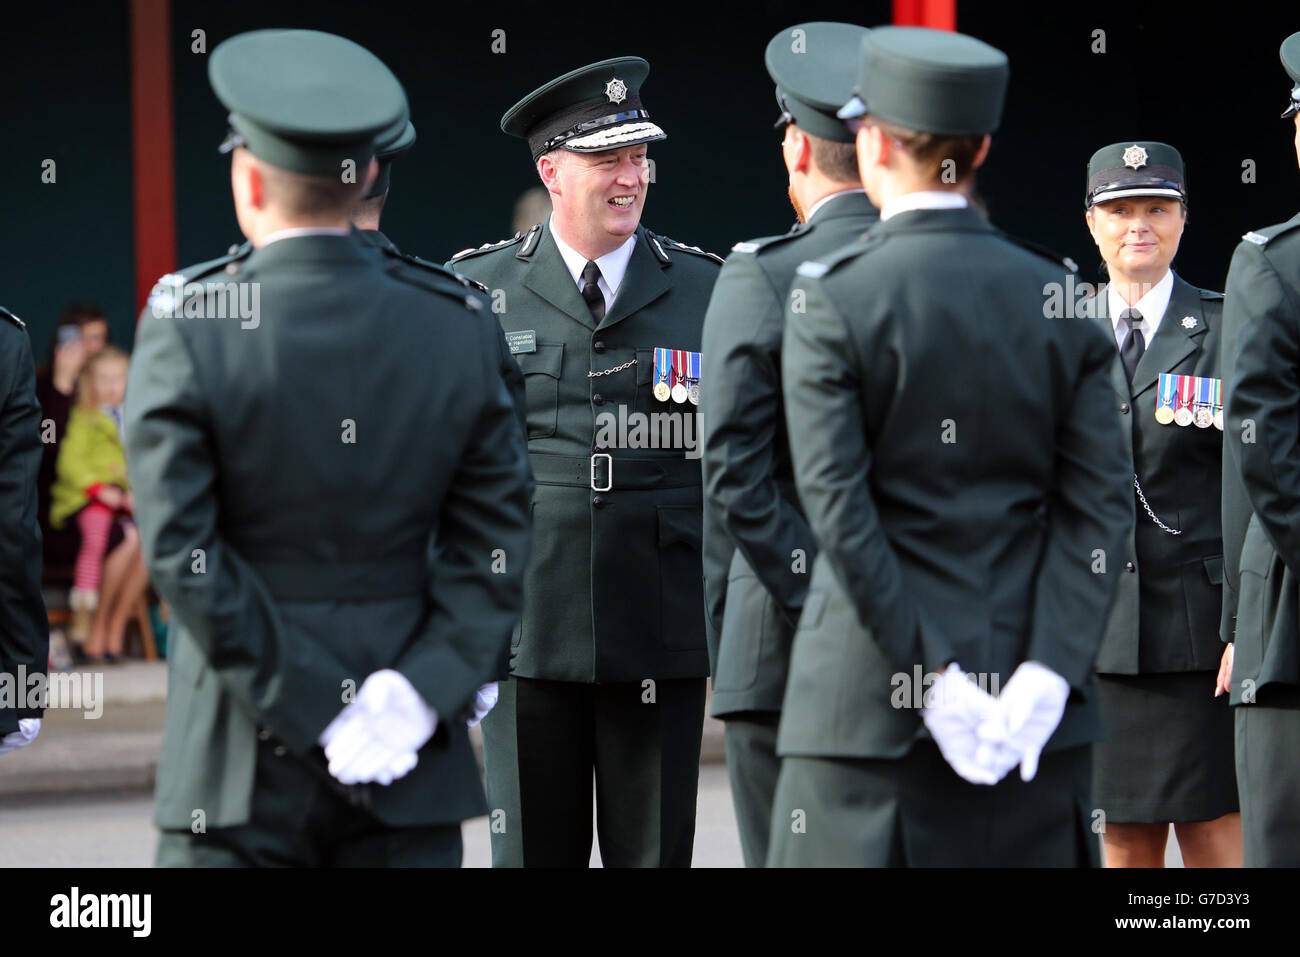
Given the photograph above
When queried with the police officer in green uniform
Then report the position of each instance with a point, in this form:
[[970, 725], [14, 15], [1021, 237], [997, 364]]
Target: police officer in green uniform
[[757, 545], [1167, 754], [608, 666], [1262, 331], [332, 494], [963, 492], [24, 629]]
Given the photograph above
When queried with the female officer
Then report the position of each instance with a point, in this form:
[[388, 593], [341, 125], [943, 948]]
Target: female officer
[[1167, 756]]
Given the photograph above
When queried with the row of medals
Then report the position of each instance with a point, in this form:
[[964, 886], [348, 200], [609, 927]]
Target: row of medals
[[680, 392], [1199, 414]]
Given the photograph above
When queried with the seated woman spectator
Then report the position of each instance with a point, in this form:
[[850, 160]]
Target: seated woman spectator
[[91, 487]]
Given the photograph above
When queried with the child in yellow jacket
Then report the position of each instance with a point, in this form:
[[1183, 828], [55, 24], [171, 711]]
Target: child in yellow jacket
[[90, 485]]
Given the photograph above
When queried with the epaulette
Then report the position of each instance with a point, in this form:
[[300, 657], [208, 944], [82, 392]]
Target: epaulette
[[1211, 294], [1261, 237], [436, 268], [1049, 254], [487, 247], [755, 246], [674, 244], [816, 268], [164, 290], [445, 285], [5, 313], [532, 239]]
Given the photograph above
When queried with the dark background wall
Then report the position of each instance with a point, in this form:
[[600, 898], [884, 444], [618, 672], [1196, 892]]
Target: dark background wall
[[1212, 88]]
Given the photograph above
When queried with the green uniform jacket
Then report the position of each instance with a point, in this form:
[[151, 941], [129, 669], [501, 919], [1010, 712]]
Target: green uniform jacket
[[959, 479], [337, 488], [615, 588], [1262, 439], [758, 549], [25, 634], [1167, 615], [90, 454]]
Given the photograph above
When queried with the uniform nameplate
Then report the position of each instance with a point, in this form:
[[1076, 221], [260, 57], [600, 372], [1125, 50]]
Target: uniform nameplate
[[523, 341]]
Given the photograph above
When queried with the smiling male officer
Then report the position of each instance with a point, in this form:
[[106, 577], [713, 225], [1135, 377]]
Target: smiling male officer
[[608, 667]]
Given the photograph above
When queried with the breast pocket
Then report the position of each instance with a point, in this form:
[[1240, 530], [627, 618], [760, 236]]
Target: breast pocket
[[542, 387]]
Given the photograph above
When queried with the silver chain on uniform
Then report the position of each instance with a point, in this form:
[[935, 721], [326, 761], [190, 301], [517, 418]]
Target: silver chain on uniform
[[592, 375], [1161, 525]]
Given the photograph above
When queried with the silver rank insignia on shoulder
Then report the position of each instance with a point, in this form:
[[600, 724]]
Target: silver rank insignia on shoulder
[[745, 248], [1259, 239], [813, 270], [1135, 157], [616, 90], [1189, 322]]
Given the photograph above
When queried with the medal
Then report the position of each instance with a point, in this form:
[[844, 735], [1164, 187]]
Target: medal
[[1204, 409], [1218, 404], [661, 374], [1165, 403], [679, 392], [1183, 416], [693, 377]]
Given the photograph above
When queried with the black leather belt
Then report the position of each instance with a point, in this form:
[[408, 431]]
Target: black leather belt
[[602, 472]]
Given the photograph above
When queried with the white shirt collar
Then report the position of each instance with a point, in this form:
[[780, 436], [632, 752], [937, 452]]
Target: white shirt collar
[[612, 265], [304, 231], [924, 199], [1152, 305], [827, 198]]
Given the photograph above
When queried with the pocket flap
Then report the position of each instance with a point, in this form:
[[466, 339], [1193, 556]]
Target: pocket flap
[[548, 360], [680, 524], [1214, 569]]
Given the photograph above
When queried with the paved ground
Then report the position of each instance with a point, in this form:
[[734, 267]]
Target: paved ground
[[114, 830]]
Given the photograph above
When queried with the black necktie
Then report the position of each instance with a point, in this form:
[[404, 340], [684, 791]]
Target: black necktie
[[1134, 344], [591, 291]]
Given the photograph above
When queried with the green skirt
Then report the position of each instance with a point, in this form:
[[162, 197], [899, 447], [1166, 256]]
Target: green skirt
[[1168, 751]]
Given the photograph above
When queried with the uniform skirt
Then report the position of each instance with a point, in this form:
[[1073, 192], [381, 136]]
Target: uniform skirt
[[1168, 751]]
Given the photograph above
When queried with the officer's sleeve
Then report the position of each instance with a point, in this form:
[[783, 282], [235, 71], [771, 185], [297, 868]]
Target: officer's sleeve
[[1235, 503], [24, 627], [1262, 424], [740, 403], [287, 682], [1089, 514], [822, 386], [479, 551]]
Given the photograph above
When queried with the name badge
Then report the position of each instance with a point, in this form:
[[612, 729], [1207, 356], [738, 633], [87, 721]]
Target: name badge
[[523, 341]]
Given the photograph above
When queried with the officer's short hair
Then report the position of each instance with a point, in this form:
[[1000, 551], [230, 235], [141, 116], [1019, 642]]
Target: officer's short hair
[[306, 196], [930, 151], [835, 161]]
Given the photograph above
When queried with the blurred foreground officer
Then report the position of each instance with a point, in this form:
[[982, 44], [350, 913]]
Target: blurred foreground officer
[[1262, 441], [1167, 754], [608, 667], [332, 493], [757, 545], [24, 629], [963, 491]]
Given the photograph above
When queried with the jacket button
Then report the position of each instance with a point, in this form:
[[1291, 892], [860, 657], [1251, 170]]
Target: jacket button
[[598, 399], [280, 751], [598, 346], [1124, 408], [263, 734], [1130, 567], [598, 501]]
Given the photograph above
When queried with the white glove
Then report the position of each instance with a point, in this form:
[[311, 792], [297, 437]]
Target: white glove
[[376, 737], [1031, 705], [965, 723], [28, 729], [485, 699]]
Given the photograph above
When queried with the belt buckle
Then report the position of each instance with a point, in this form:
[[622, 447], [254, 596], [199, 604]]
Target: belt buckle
[[609, 472]]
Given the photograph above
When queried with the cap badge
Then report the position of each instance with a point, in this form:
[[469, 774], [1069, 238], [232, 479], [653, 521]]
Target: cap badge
[[616, 90], [1135, 157], [1189, 322]]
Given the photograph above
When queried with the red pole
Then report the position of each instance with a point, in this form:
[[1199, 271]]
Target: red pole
[[936, 14], [153, 170]]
